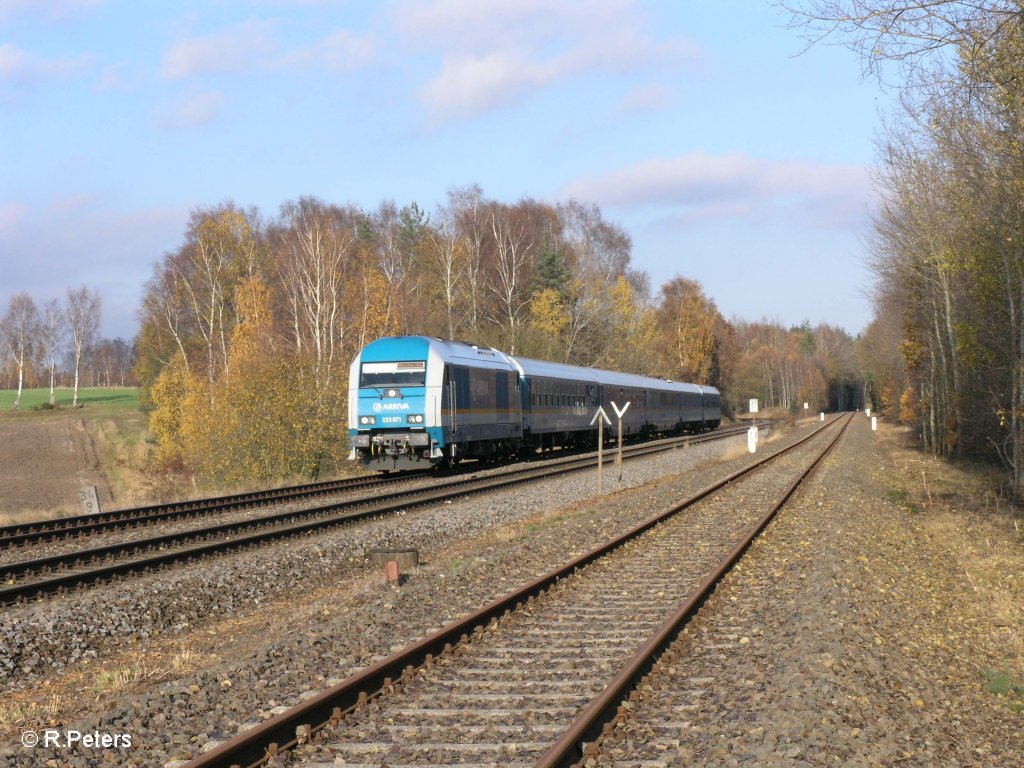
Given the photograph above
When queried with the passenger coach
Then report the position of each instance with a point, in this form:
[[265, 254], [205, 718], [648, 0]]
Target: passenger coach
[[416, 401]]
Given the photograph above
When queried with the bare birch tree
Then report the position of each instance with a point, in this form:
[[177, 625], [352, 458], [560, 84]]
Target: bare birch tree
[[19, 329], [51, 337], [513, 243], [448, 257], [395, 233], [315, 254], [600, 254], [222, 247], [913, 35], [471, 213], [164, 305], [82, 312]]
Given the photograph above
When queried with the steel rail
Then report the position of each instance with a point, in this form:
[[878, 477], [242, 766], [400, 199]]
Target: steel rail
[[70, 559], [580, 739], [278, 526], [44, 531], [282, 732], [38, 531]]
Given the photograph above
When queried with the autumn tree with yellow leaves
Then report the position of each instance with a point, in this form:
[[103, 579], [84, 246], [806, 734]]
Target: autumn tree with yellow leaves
[[946, 350], [249, 327]]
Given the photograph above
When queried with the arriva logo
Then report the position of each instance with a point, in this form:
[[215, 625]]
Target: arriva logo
[[378, 407]]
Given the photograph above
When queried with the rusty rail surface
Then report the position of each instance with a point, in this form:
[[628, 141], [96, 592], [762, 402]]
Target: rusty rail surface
[[580, 740], [256, 746], [99, 560], [53, 529], [38, 531]]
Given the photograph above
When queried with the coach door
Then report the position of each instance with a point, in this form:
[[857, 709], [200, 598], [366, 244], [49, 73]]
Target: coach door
[[449, 400], [501, 398], [457, 392]]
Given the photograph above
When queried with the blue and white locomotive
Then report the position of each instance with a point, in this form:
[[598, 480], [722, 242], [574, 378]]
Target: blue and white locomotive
[[416, 401]]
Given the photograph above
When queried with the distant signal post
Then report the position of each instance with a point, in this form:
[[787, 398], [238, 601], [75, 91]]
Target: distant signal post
[[620, 414], [752, 433], [600, 417]]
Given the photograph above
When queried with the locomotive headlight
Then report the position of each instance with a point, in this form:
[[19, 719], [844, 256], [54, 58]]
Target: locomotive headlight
[[416, 419], [368, 421]]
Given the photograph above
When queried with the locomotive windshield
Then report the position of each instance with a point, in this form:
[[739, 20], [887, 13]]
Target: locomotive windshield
[[404, 374]]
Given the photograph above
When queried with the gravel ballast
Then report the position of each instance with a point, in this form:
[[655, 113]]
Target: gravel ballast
[[352, 620], [846, 637], [779, 689]]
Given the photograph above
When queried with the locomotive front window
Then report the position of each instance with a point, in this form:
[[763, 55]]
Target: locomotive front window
[[399, 374]]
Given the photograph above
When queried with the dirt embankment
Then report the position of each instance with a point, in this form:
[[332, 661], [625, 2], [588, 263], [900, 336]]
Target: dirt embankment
[[44, 463]]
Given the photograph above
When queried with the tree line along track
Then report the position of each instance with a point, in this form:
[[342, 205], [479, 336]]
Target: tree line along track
[[525, 679], [28, 579]]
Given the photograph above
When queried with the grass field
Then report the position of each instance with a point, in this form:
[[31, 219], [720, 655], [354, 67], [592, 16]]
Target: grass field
[[90, 398]]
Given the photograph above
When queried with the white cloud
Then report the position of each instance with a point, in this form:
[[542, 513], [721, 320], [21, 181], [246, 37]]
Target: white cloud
[[201, 108], [18, 64], [468, 84], [110, 78], [647, 98], [339, 52], [494, 54], [191, 111], [472, 26], [233, 50], [71, 205], [702, 187], [52, 10], [122, 76], [11, 215], [250, 47]]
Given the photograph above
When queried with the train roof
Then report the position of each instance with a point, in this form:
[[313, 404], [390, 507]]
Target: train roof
[[392, 348], [604, 377]]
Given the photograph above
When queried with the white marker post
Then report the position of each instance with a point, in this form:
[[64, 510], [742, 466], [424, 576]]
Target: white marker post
[[752, 432], [89, 500], [867, 411], [805, 410], [822, 416], [600, 417], [874, 423], [620, 414]]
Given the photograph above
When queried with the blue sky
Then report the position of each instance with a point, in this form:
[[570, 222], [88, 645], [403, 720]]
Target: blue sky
[[728, 157]]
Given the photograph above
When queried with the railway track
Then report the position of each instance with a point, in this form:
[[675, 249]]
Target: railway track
[[533, 678], [40, 531], [37, 577], [133, 518]]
